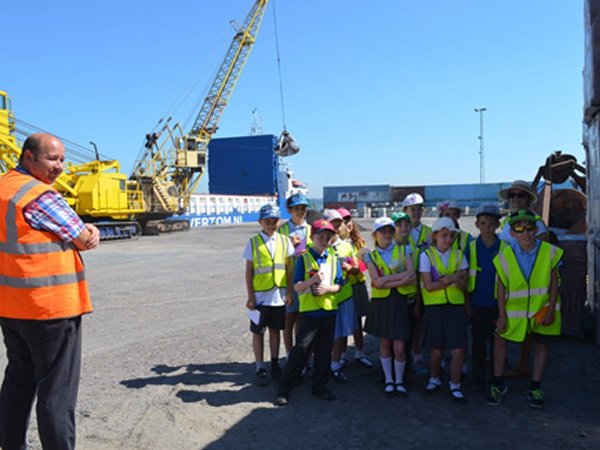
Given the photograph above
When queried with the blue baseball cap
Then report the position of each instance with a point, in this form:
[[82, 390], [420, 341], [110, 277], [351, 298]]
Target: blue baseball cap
[[297, 199], [489, 209], [269, 212]]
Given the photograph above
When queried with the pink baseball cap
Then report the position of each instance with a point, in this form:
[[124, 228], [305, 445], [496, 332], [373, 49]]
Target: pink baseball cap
[[344, 213]]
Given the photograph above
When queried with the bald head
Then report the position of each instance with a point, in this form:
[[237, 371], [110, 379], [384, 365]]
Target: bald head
[[43, 156]]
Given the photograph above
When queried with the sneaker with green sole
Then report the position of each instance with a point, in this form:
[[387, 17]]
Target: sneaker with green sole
[[496, 393], [536, 398]]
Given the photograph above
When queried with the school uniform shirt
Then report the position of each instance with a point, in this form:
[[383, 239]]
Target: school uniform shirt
[[319, 259], [483, 294], [425, 264], [276, 296], [297, 230], [506, 237], [526, 260], [386, 254]]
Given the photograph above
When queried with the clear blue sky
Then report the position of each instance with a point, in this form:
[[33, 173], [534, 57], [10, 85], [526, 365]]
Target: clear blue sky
[[378, 92]]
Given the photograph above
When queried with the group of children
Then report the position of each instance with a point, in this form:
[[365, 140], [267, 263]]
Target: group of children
[[426, 283]]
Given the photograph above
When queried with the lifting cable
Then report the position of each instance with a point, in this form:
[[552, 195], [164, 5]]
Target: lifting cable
[[279, 66], [76, 152]]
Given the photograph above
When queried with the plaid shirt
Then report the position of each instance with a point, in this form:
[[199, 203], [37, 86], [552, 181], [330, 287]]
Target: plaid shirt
[[50, 212]]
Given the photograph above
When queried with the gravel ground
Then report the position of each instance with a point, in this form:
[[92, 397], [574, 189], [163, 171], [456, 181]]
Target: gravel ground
[[167, 364]]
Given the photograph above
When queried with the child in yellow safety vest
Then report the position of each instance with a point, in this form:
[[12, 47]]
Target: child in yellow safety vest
[[443, 283], [451, 209], [414, 205], [345, 321], [267, 277], [359, 290], [317, 279], [298, 231], [393, 278], [527, 302], [415, 304]]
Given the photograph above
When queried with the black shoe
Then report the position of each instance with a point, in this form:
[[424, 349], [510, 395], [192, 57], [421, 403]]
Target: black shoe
[[431, 389], [365, 362], [261, 377], [325, 394], [400, 390], [339, 377], [282, 400], [536, 398], [389, 390], [458, 396]]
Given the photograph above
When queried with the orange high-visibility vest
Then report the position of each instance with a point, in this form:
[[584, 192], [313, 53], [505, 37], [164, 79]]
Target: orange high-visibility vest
[[41, 276]]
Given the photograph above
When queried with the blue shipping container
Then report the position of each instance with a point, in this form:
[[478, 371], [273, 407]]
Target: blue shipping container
[[243, 165]]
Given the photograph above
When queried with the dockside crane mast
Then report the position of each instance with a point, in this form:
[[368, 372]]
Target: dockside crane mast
[[173, 162], [169, 170]]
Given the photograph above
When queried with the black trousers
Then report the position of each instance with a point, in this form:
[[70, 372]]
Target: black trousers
[[483, 326], [44, 358], [314, 334]]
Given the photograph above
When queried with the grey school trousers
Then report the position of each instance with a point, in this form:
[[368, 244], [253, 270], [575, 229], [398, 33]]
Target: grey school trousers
[[44, 358]]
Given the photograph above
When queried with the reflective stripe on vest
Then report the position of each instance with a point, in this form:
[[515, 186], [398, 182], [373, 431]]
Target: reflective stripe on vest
[[309, 302], [398, 265], [269, 271], [460, 241], [527, 298], [451, 294], [41, 276], [342, 251]]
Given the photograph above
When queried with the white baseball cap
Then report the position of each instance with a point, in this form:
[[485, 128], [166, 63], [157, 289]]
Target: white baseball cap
[[331, 214], [412, 199], [383, 222], [444, 222]]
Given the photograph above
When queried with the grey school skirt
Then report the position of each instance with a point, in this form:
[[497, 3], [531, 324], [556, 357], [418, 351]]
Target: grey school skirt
[[445, 327], [388, 317]]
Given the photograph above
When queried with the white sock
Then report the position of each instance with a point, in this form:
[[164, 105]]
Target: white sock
[[399, 369], [456, 386], [335, 366], [343, 356], [260, 365], [386, 365], [433, 382], [359, 354]]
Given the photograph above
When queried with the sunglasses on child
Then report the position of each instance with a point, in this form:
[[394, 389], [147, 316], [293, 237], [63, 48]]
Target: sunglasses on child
[[518, 195], [522, 228]]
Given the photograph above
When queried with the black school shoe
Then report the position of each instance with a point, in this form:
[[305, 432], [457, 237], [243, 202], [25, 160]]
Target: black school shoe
[[339, 377], [261, 378]]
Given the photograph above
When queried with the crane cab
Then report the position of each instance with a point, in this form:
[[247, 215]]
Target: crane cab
[[191, 153]]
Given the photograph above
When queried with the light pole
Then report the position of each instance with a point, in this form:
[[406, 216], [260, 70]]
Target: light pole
[[481, 164]]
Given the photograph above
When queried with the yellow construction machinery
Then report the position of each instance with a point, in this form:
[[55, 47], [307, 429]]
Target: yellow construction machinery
[[168, 171]]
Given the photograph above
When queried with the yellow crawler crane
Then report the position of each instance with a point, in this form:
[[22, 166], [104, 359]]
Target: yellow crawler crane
[[173, 163], [169, 170], [10, 148], [96, 190]]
